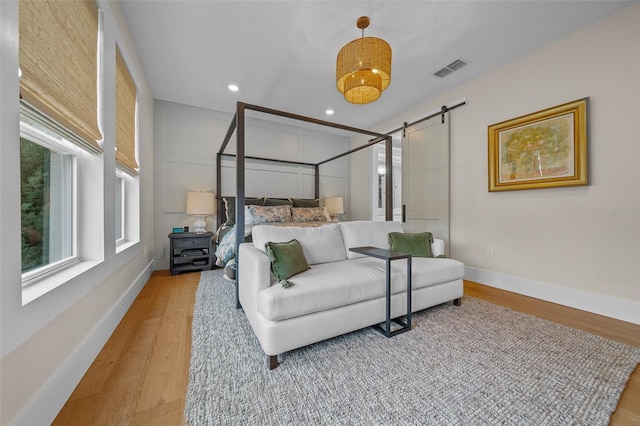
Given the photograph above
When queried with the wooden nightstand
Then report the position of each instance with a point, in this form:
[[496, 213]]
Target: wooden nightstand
[[190, 252]]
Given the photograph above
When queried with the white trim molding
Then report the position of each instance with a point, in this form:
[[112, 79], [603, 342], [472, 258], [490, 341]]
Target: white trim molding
[[601, 304], [45, 406]]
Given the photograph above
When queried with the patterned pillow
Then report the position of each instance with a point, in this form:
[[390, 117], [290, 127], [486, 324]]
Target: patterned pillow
[[267, 214], [230, 208], [307, 214]]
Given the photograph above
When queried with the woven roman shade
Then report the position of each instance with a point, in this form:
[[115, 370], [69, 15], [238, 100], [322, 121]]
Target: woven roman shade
[[59, 63], [125, 117]]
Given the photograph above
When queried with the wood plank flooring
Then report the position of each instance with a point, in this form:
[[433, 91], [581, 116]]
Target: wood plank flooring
[[141, 375]]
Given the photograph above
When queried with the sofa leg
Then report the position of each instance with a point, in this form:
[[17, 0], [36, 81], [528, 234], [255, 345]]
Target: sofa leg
[[458, 301], [272, 361]]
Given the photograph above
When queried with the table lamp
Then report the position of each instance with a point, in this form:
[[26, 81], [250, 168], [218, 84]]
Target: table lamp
[[200, 205], [334, 206]]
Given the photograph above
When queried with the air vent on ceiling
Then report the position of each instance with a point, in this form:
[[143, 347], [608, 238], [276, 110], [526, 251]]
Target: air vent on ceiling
[[453, 66]]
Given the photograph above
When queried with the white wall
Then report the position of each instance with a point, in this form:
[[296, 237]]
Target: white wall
[[186, 142], [48, 344], [576, 246]]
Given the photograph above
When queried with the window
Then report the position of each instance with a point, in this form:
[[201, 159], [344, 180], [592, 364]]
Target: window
[[47, 184], [120, 205], [127, 184], [59, 60]]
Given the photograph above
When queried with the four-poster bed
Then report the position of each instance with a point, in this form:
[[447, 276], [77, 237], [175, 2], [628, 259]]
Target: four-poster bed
[[237, 126], [340, 288]]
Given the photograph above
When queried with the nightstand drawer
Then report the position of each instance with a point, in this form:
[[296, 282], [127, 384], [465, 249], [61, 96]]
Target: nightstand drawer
[[196, 242]]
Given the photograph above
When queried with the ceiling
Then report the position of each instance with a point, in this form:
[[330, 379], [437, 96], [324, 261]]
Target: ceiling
[[282, 53]]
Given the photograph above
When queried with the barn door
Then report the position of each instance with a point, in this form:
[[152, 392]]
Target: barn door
[[425, 177]]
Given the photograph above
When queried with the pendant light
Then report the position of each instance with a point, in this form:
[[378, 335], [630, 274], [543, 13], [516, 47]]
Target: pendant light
[[363, 67]]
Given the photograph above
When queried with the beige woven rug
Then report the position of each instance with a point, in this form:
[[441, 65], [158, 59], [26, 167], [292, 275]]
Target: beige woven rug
[[477, 364]]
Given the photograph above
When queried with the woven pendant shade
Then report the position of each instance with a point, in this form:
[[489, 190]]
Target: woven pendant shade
[[363, 68]]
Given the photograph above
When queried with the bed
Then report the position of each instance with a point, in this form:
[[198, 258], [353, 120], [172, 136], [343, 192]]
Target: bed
[[263, 210], [241, 229]]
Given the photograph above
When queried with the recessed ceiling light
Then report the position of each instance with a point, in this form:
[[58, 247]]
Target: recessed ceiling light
[[233, 87], [329, 112]]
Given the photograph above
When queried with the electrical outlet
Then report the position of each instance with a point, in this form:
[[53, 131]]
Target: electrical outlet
[[490, 251]]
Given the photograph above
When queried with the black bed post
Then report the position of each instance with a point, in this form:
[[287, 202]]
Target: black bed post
[[219, 189], [388, 159], [239, 193], [317, 184]]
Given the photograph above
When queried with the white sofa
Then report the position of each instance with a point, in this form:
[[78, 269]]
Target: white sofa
[[342, 291]]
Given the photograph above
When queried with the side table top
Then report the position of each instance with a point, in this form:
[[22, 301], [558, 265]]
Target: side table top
[[190, 234], [380, 253]]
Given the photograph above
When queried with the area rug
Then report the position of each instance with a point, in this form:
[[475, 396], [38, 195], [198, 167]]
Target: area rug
[[478, 363]]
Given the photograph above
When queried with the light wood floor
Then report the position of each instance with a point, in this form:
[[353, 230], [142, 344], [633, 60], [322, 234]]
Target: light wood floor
[[141, 375]]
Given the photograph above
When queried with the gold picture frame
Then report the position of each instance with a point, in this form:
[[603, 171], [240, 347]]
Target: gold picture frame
[[544, 149]]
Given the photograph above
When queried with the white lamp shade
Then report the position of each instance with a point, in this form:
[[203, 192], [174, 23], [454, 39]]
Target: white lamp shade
[[201, 203], [334, 205]]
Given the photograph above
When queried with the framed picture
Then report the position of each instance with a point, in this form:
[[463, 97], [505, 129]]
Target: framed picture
[[541, 150]]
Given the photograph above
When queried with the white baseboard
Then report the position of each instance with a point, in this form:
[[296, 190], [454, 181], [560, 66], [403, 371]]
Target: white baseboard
[[601, 304], [45, 406]]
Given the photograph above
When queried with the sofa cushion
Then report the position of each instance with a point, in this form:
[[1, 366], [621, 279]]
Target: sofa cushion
[[416, 244], [331, 285], [367, 233], [427, 271], [327, 286], [320, 244], [287, 259]]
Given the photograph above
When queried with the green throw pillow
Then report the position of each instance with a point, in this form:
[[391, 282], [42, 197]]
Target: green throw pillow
[[287, 259], [418, 244]]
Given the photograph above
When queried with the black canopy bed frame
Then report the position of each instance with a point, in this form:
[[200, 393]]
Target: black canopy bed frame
[[237, 125]]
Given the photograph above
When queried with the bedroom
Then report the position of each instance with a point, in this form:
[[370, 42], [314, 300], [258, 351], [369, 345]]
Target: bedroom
[[570, 267]]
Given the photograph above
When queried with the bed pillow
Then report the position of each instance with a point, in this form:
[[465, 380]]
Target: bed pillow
[[287, 259], [230, 208], [416, 244], [255, 215], [305, 202], [307, 214], [277, 202]]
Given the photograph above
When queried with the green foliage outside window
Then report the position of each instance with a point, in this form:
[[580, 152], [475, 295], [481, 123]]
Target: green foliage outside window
[[34, 184]]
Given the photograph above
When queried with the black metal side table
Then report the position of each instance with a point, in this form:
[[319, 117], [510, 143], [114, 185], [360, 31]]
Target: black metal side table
[[388, 256]]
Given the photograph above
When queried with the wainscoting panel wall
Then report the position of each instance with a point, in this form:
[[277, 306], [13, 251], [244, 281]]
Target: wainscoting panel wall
[[187, 140]]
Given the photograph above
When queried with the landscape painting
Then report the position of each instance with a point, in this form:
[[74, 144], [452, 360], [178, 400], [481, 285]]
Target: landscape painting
[[543, 149]]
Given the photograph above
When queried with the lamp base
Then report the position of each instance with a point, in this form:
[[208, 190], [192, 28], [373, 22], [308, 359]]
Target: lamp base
[[200, 224]]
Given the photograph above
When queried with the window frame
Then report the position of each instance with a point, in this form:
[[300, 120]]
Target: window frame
[[121, 207], [48, 138]]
